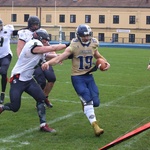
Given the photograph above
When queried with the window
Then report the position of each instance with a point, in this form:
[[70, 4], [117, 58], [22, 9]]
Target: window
[[87, 18], [114, 37], [101, 19], [147, 19], [72, 35], [26, 16], [132, 38], [101, 37], [147, 38], [48, 18], [62, 18], [63, 36], [13, 17], [116, 19], [72, 18], [131, 19]]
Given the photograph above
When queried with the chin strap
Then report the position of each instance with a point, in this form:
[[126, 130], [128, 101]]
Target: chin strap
[[83, 44]]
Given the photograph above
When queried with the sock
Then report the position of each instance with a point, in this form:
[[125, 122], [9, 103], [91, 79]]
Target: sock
[[4, 82], [41, 112], [89, 112], [2, 95], [42, 124]]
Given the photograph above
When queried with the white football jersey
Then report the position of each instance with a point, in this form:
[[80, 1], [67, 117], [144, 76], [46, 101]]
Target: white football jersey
[[5, 36], [27, 61], [25, 35]]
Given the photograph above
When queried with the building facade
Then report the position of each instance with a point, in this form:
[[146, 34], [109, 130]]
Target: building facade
[[111, 21]]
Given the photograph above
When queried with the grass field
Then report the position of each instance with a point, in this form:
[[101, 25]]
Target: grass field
[[125, 106]]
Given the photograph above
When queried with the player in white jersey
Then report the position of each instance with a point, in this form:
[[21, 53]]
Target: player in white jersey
[[22, 76], [5, 55], [83, 49], [24, 36]]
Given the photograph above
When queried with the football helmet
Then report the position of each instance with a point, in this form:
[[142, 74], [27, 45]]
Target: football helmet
[[84, 33], [1, 24], [32, 21], [41, 34]]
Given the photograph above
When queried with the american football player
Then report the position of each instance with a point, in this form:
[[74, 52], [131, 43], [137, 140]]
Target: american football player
[[83, 49], [22, 76], [41, 76], [6, 31]]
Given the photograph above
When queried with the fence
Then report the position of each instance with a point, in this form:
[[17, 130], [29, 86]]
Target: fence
[[107, 40]]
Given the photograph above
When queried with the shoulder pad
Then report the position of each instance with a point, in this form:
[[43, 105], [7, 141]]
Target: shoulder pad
[[75, 40], [9, 27], [94, 40]]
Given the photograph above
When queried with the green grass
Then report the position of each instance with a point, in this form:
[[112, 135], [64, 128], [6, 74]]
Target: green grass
[[125, 106]]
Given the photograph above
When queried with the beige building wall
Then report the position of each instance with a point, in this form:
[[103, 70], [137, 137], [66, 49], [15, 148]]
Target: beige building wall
[[140, 29]]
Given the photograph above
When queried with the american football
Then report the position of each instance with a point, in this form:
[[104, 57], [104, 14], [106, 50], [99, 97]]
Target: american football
[[101, 64]]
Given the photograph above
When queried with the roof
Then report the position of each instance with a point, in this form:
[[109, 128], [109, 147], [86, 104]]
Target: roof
[[76, 3]]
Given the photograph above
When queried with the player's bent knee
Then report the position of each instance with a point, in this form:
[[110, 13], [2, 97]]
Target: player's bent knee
[[96, 102], [15, 109]]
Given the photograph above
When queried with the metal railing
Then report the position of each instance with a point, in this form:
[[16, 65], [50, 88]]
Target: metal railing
[[107, 40]]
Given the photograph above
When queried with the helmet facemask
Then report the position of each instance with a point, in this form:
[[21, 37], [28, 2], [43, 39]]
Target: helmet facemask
[[34, 23], [34, 27], [85, 39]]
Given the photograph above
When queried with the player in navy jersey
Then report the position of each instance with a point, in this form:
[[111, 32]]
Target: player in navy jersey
[[83, 49], [6, 31]]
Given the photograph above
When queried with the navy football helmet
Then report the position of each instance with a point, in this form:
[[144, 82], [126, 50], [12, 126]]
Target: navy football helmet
[[34, 20], [83, 31], [41, 34], [1, 24]]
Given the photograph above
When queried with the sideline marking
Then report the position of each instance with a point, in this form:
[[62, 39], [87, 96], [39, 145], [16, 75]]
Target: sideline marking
[[127, 136]]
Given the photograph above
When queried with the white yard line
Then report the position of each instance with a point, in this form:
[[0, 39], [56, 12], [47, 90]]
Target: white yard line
[[11, 138]]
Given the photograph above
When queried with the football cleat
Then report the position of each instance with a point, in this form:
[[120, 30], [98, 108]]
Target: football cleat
[[46, 128], [97, 130], [48, 103]]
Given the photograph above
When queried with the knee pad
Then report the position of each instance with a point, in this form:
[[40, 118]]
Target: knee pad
[[96, 101], [11, 107]]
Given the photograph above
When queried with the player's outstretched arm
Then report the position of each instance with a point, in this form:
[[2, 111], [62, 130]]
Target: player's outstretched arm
[[57, 59]]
